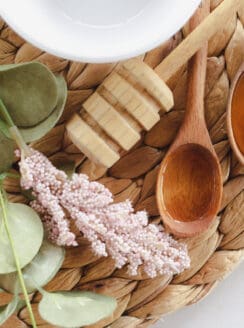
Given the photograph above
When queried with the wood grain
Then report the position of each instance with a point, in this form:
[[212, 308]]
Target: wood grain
[[127, 102], [150, 297], [235, 115], [189, 185], [190, 45]]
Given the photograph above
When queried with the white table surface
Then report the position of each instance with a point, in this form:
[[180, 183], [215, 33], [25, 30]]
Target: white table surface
[[223, 308]]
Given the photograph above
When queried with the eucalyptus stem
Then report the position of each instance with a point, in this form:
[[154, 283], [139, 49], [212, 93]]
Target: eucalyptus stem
[[7, 118], [14, 131], [16, 259]]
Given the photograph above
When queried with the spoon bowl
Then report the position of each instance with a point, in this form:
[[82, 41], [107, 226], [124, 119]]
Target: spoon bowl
[[189, 188], [235, 115], [189, 185]]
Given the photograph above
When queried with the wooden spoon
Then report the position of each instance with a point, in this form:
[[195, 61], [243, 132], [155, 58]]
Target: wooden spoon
[[235, 115], [189, 185]]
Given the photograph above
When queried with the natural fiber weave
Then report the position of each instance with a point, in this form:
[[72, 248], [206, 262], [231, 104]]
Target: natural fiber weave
[[215, 253]]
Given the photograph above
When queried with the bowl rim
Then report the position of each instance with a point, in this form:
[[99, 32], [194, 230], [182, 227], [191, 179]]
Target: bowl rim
[[129, 53]]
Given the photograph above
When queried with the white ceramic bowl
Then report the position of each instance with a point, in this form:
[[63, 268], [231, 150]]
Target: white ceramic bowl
[[96, 30]]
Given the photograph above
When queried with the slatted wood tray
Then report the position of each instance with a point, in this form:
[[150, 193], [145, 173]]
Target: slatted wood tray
[[214, 254]]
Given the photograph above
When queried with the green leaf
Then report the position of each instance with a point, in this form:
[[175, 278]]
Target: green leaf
[[68, 167], [75, 309], [29, 91], [39, 272], [4, 129], [27, 233], [6, 226], [28, 194], [65, 164], [5, 175], [34, 98], [36, 132], [7, 310], [7, 152]]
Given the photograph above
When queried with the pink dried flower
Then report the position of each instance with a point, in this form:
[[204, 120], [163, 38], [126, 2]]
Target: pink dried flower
[[113, 229], [46, 181]]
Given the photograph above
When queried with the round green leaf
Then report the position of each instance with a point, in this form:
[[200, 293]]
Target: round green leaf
[[39, 272], [27, 233], [29, 91], [36, 132], [65, 164], [4, 129], [75, 309], [7, 152]]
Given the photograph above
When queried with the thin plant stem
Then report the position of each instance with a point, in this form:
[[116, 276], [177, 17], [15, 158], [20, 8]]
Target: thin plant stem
[[16, 259], [14, 131], [7, 118]]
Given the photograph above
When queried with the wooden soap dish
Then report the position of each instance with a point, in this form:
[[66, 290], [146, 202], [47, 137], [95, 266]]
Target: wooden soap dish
[[112, 118]]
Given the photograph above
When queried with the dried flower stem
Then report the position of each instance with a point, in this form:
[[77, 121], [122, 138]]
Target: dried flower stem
[[16, 259]]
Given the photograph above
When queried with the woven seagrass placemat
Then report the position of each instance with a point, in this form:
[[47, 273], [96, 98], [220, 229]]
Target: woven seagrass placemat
[[215, 253]]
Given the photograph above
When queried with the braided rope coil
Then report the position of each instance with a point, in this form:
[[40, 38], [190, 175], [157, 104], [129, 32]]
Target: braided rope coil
[[215, 253]]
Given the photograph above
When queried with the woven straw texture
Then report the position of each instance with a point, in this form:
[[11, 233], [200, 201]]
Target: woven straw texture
[[214, 254]]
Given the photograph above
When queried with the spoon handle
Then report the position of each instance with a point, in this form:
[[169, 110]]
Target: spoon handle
[[194, 41], [197, 74], [193, 128]]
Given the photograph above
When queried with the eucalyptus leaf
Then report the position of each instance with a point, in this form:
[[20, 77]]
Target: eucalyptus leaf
[[5, 175], [7, 152], [39, 272], [27, 233], [4, 129], [35, 99], [36, 132], [29, 91], [67, 166], [75, 309], [28, 194], [7, 310]]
